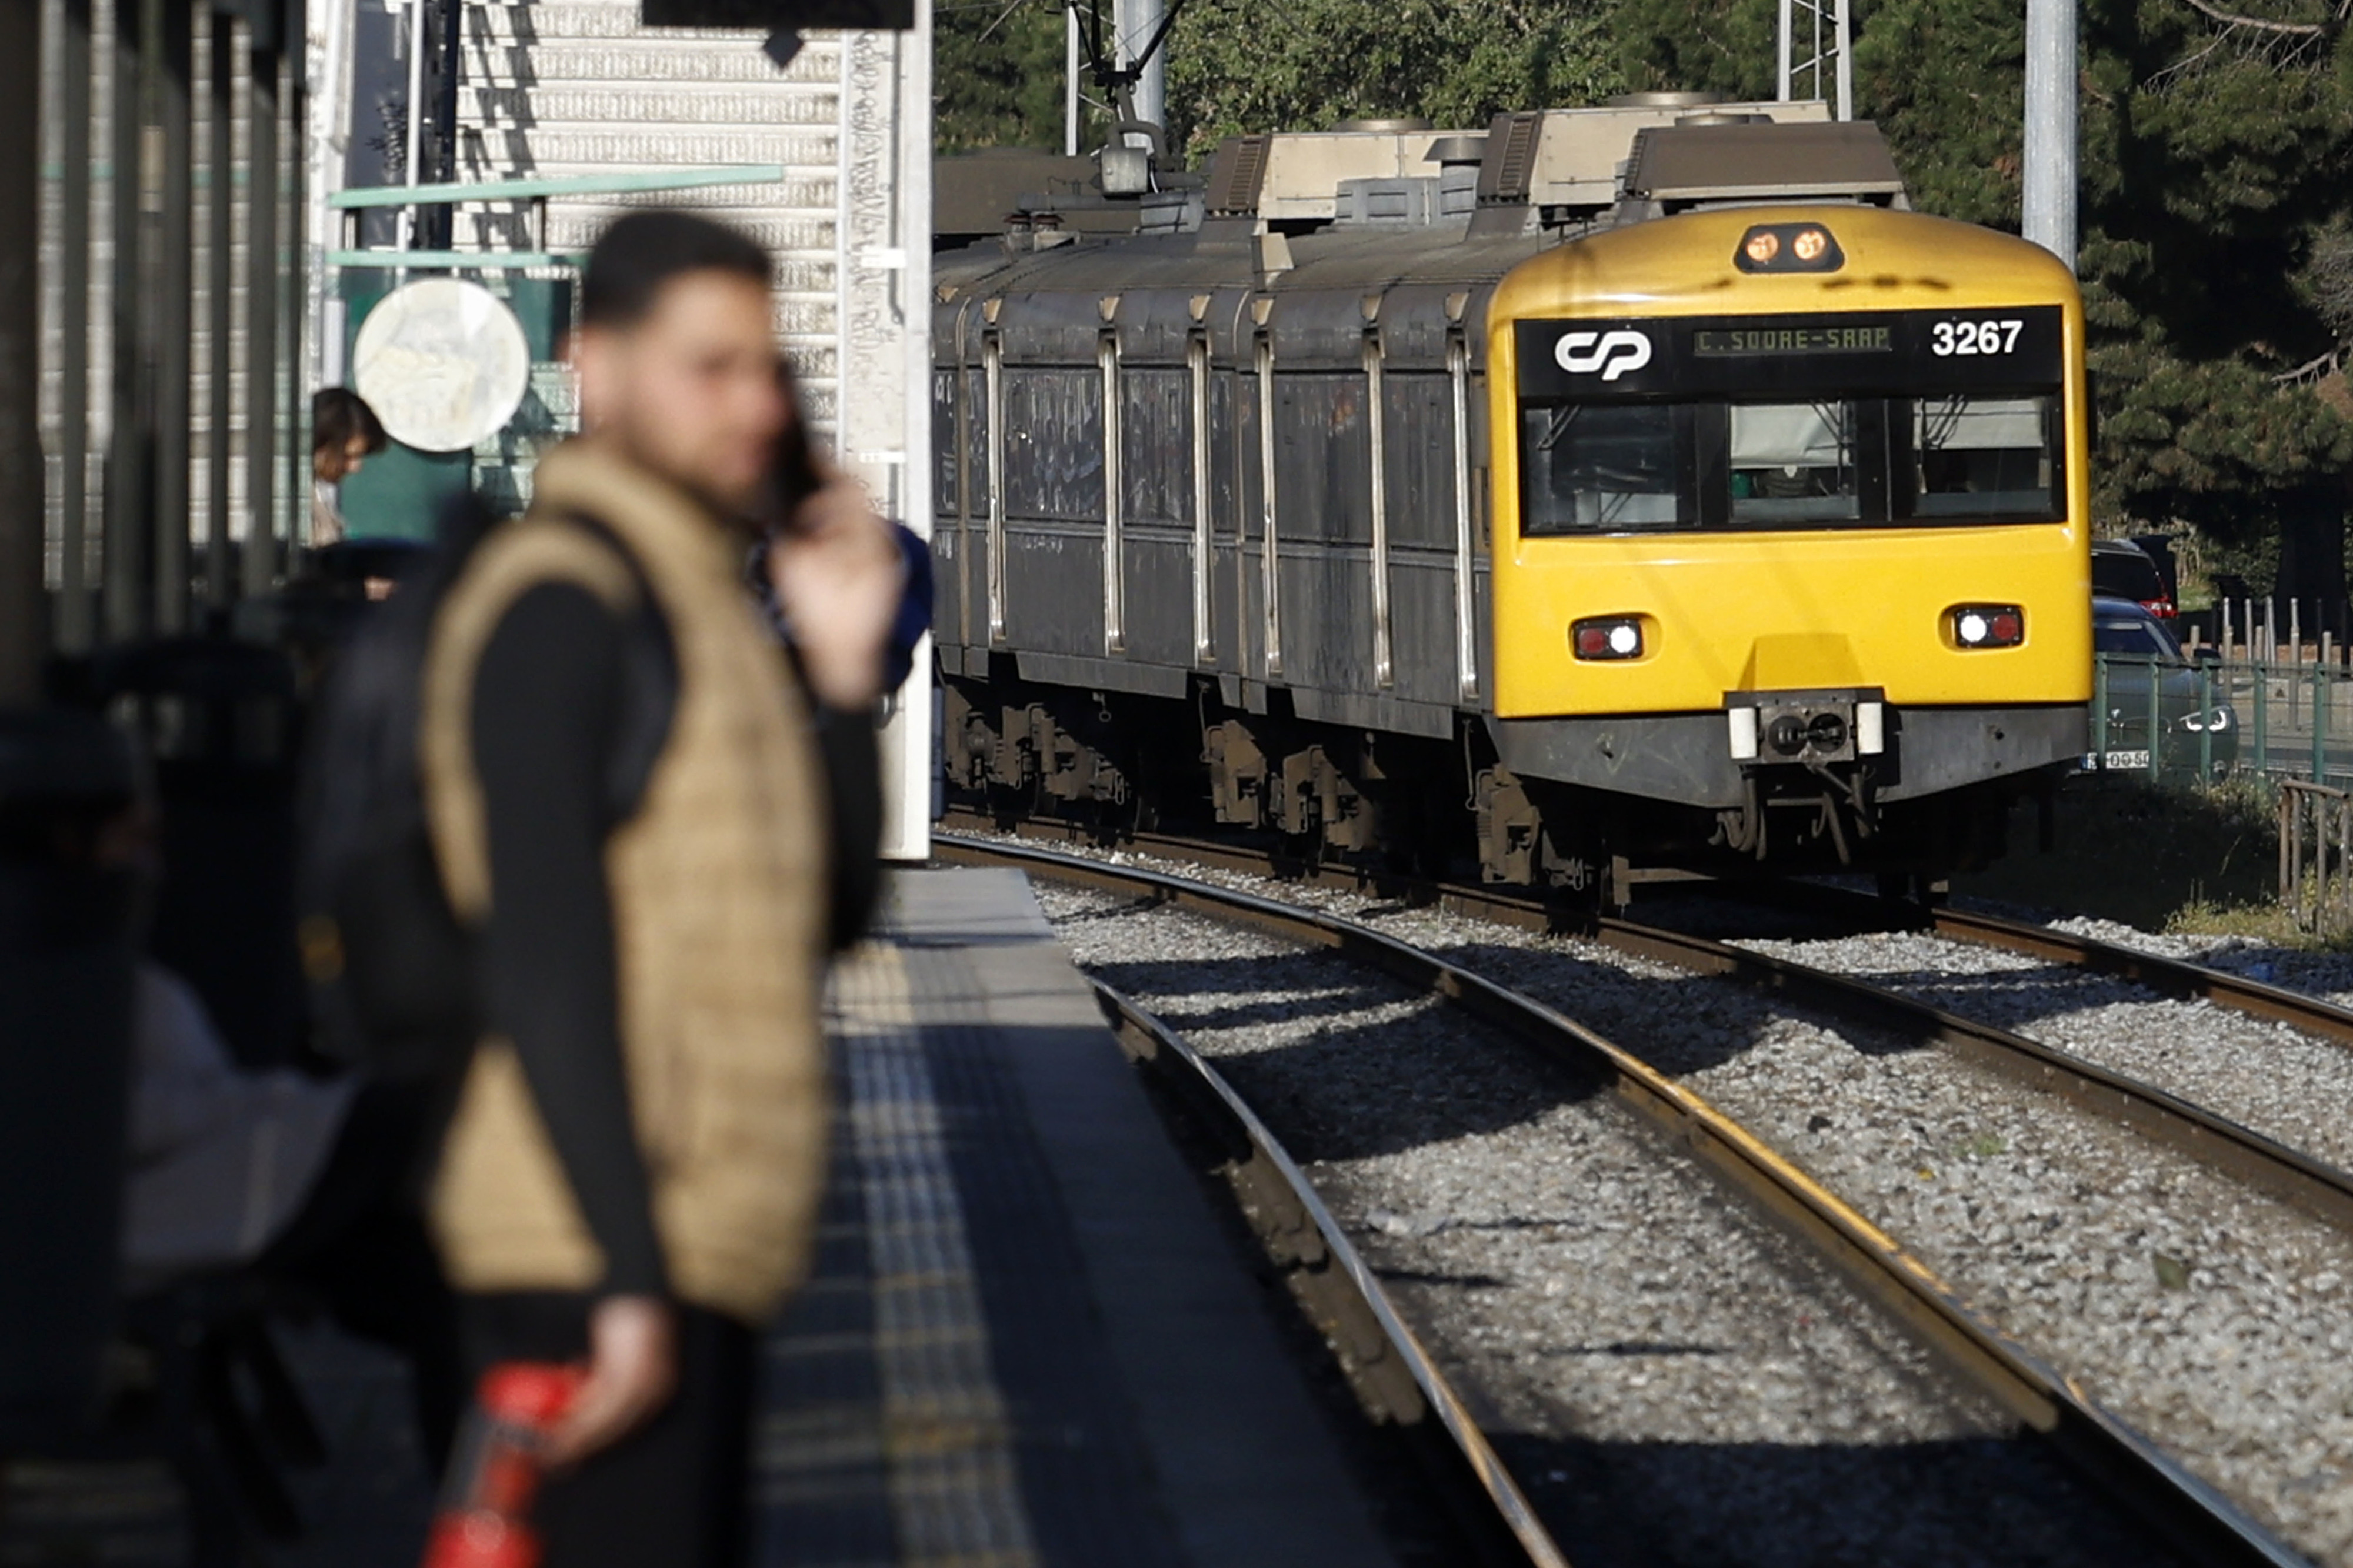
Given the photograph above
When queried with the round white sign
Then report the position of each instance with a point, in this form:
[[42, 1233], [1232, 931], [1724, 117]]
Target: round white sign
[[443, 362]]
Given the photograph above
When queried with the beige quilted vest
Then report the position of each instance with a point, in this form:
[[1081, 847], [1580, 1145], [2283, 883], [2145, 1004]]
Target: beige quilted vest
[[719, 889]]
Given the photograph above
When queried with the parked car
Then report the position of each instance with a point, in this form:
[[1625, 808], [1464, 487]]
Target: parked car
[[2125, 571], [2138, 649]]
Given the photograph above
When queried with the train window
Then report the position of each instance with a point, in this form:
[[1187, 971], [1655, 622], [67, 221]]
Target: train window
[[1794, 462], [1602, 468], [1155, 437], [1324, 486], [1054, 444], [1984, 456], [944, 442], [1419, 410]]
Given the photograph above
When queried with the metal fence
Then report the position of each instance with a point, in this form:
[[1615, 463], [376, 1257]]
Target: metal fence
[[2211, 719], [2316, 856]]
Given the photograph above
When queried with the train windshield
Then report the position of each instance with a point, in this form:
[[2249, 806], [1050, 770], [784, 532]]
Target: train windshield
[[1793, 462], [1766, 463]]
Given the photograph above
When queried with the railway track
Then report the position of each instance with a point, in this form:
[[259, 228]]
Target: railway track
[[2314, 1185], [2138, 1470], [1344, 1294], [2168, 977]]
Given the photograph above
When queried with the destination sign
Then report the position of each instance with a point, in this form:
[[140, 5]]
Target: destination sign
[[2020, 350], [1754, 343]]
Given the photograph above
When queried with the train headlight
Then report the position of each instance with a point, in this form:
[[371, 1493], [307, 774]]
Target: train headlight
[[1976, 627], [1606, 638], [1788, 248]]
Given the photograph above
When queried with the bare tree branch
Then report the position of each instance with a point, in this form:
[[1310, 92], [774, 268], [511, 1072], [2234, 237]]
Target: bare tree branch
[[2312, 370], [2294, 29]]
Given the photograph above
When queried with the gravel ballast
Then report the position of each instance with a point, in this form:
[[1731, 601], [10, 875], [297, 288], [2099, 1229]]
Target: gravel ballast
[[2210, 1316], [1673, 1381]]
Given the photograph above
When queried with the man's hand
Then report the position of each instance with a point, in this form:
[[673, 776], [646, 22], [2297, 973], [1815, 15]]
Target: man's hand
[[838, 575], [632, 1370]]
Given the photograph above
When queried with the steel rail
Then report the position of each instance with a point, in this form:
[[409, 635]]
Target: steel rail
[[2319, 1188], [1147, 1037], [2134, 1467], [2173, 977]]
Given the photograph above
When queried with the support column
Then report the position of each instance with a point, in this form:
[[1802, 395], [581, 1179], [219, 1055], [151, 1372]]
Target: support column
[[2049, 207], [23, 619], [1069, 81], [76, 617], [127, 559], [259, 555], [1135, 22], [220, 283], [174, 313]]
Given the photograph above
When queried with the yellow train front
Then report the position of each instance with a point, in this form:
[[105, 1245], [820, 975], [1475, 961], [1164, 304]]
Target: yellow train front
[[1790, 554]]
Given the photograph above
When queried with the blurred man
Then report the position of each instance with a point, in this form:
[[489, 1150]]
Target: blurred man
[[626, 805], [344, 434]]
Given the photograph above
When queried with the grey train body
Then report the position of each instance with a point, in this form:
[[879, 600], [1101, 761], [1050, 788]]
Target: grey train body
[[1121, 426]]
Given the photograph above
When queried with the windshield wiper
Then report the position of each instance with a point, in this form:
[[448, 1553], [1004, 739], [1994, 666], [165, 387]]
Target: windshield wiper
[[1562, 417]]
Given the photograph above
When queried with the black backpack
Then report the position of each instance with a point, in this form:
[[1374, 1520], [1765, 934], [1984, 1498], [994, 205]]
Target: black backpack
[[389, 965]]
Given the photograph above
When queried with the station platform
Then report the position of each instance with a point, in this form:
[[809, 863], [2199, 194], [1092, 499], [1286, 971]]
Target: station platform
[[1027, 1342], [1026, 1339]]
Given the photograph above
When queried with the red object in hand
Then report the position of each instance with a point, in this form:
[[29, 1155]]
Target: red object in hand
[[485, 1516]]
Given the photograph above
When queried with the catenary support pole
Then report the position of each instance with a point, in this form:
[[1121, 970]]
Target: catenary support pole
[[1069, 81], [24, 624], [1138, 23], [2049, 217]]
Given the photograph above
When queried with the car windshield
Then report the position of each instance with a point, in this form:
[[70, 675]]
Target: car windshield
[[2132, 637]]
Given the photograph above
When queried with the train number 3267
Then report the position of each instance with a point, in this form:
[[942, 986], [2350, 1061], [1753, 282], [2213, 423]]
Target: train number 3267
[[1955, 338]]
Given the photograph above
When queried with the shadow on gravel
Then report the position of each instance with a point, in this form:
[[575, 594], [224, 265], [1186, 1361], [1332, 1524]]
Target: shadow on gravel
[[1340, 1061], [1679, 1024], [1960, 1503], [2014, 998], [1316, 1042]]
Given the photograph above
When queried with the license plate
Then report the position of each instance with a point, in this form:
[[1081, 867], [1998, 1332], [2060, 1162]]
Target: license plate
[[2116, 762]]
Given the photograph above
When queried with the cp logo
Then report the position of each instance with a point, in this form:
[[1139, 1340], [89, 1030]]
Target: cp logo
[[1612, 353]]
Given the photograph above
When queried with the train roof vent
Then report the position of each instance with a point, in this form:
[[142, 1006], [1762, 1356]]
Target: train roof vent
[[1511, 150], [1235, 175], [1682, 166]]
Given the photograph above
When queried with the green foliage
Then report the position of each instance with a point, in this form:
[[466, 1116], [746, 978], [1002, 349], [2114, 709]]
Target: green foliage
[[1287, 65], [997, 76], [1303, 65], [1700, 46]]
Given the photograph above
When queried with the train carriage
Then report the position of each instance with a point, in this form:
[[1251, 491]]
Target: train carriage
[[1623, 493]]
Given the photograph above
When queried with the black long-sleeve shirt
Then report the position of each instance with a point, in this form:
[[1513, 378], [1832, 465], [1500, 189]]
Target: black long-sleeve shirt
[[571, 704]]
